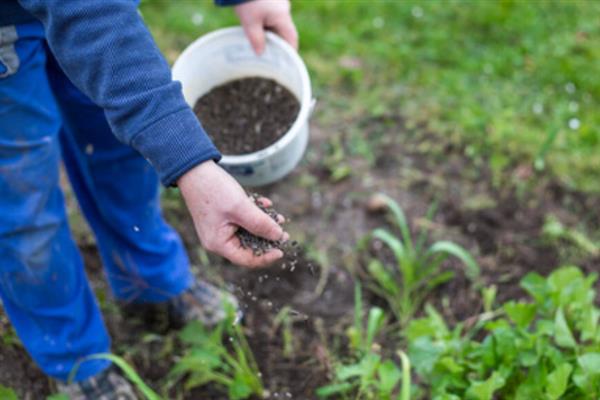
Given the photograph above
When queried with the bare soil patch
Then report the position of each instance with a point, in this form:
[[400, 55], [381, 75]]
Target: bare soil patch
[[501, 224]]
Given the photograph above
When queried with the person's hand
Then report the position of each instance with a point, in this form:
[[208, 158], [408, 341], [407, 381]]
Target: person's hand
[[218, 206], [258, 15]]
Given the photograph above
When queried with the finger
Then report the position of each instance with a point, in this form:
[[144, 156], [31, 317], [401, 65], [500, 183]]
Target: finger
[[255, 221], [264, 201], [256, 36], [285, 28], [245, 258], [280, 219]]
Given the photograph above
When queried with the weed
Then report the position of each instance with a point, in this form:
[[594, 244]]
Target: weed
[[334, 160], [284, 320], [370, 376], [417, 270], [208, 360], [7, 393], [8, 336], [554, 230], [547, 348]]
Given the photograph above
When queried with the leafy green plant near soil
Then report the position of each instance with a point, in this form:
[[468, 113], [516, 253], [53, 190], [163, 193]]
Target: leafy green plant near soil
[[417, 269], [369, 375], [208, 360], [555, 231], [544, 348]]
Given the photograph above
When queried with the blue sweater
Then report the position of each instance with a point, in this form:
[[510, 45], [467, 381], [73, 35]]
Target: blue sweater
[[106, 50]]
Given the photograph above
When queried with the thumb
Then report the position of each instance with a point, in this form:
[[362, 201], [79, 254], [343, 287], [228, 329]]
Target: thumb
[[256, 35], [255, 221]]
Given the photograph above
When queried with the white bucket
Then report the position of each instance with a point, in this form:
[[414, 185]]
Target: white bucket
[[225, 55]]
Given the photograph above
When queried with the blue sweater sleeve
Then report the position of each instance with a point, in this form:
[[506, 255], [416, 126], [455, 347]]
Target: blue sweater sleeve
[[226, 3], [106, 50]]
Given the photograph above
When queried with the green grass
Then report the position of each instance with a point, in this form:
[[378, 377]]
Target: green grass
[[504, 77]]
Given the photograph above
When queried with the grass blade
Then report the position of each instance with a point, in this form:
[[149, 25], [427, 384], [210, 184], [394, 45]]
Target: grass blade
[[126, 368], [383, 278], [403, 259], [374, 323], [400, 219], [405, 389], [422, 238], [472, 268]]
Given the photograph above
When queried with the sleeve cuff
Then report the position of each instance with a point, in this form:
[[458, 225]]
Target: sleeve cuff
[[175, 144], [225, 3]]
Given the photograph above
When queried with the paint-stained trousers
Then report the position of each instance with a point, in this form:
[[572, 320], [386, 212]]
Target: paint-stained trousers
[[44, 119]]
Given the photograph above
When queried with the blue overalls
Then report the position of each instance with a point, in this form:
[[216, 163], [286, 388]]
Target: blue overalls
[[44, 119]]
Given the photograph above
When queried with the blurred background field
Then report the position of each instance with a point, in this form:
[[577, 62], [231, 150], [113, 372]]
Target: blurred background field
[[516, 82]]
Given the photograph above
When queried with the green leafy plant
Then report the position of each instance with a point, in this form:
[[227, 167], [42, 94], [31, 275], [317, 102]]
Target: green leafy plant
[[417, 268], [284, 320], [554, 230], [369, 375], [208, 360], [335, 162], [59, 396], [546, 348], [7, 393]]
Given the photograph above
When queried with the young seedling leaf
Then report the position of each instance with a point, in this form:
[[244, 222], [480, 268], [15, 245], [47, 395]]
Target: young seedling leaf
[[389, 376], [558, 381], [334, 389], [374, 324], [472, 268], [484, 390], [7, 393], [562, 333], [239, 388], [384, 279], [392, 242], [520, 313], [59, 396], [535, 285], [400, 219], [590, 363], [406, 381]]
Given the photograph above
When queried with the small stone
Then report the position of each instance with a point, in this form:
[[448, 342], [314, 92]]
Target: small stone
[[376, 203]]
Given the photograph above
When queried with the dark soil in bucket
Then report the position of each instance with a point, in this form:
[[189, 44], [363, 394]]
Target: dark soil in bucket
[[247, 115]]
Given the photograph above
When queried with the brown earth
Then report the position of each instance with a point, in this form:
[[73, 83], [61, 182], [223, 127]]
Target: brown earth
[[499, 219]]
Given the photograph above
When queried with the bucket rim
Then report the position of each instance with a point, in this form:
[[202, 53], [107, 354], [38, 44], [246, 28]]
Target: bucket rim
[[305, 103]]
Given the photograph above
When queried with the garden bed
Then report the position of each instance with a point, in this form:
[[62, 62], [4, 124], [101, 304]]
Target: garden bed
[[499, 219]]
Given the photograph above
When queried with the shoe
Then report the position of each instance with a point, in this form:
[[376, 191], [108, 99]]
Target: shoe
[[107, 385], [205, 303]]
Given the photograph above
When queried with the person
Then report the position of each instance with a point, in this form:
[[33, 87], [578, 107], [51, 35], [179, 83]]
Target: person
[[72, 74]]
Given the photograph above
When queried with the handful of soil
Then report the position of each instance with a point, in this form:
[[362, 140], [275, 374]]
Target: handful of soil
[[247, 115], [258, 245]]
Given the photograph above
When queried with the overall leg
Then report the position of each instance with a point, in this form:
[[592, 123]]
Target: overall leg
[[118, 192], [42, 283]]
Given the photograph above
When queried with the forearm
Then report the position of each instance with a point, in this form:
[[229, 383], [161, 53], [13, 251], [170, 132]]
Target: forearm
[[107, 52]]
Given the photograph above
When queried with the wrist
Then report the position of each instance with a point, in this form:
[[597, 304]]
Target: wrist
[[200, 171]]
